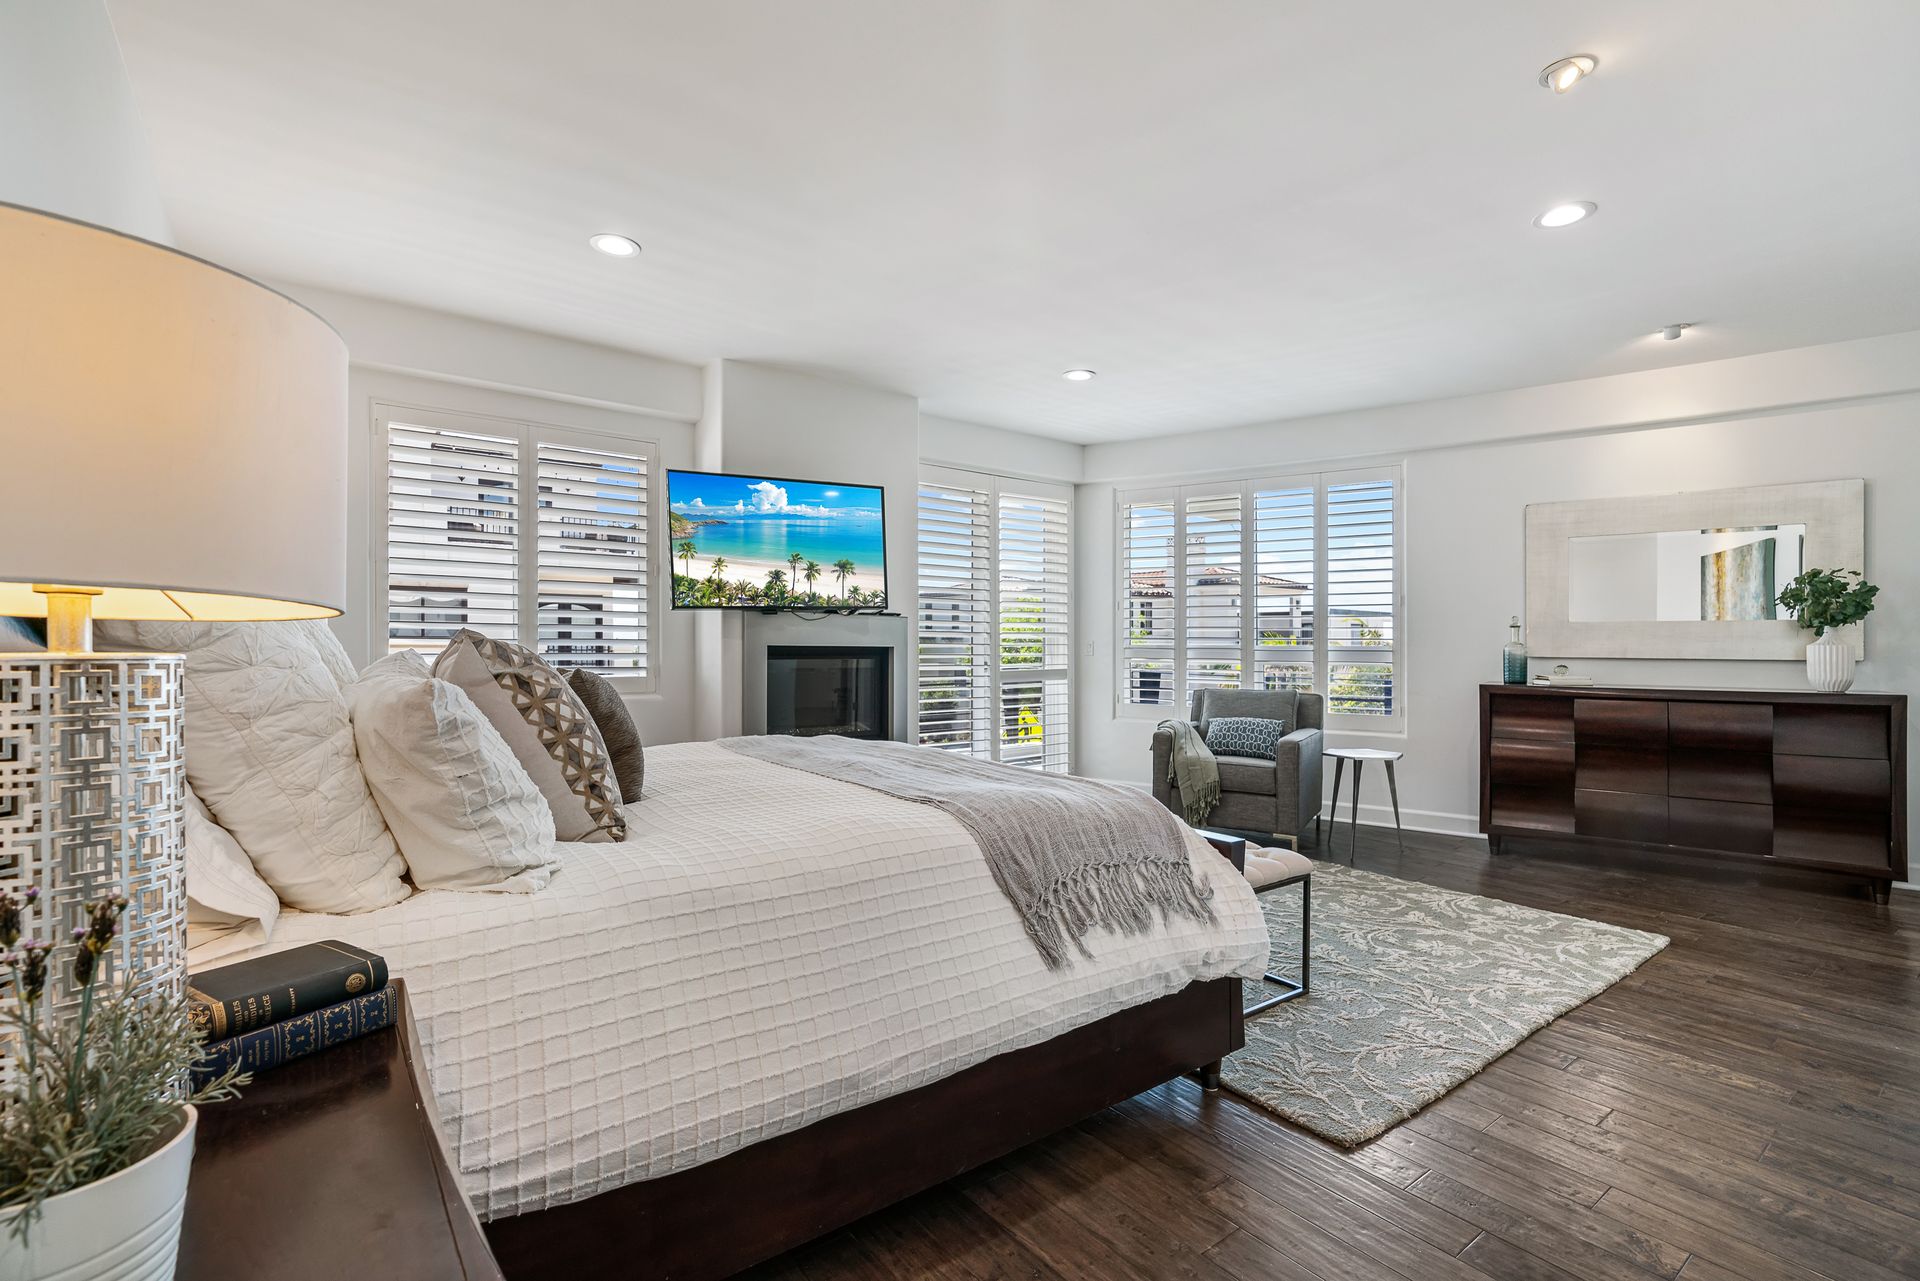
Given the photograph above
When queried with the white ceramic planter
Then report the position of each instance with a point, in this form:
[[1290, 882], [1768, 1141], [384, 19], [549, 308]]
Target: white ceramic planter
[[1830, 664], [124, 1228]]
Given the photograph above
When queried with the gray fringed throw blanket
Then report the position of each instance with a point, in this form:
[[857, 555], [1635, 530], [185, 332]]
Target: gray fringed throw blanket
[[1070, 854], [1193, 771]]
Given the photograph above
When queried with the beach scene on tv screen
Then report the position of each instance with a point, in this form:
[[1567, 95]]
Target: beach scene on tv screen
[[750, 541]]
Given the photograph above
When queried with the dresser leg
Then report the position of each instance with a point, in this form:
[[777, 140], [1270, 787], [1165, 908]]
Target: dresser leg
[[1493, 846], [1882, 891], [1210, 1076]]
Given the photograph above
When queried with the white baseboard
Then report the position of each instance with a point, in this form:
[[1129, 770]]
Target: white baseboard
[[1412, 820]]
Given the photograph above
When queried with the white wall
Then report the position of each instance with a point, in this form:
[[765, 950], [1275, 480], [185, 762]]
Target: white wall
[[949, 442], [1464, 507], [73, 143], [778, 422]]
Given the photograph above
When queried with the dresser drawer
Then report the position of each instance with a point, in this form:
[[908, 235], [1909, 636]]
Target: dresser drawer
[[1620, 816], [1831, 783], [1629, 722], [1530, 716], [1520, 762], [1606, 768], [1720, 825], [1721, 727], [1822, 729], [1746, 777]]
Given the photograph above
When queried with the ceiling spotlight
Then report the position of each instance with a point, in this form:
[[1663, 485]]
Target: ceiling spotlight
[[614, 246], [1672, 332], [1565, 74], [1566, 215], [1077, 375]]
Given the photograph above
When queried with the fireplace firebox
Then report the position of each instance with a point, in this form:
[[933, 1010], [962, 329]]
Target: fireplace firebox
[[830, 689]]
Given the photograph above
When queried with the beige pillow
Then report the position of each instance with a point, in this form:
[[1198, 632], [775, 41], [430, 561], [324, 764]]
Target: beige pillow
[[270, 751], [549, 729], [466, 815]]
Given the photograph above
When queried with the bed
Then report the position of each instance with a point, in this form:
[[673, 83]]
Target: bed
[[783, 1001]]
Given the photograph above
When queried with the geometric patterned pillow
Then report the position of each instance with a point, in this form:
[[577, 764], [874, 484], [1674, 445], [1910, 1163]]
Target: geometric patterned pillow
[[549, 729], [1244, 736]]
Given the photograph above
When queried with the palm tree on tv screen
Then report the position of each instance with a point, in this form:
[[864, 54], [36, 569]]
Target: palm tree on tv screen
[[794, 561], [719, 568], [776, 582], [843, 570], [812, 572]]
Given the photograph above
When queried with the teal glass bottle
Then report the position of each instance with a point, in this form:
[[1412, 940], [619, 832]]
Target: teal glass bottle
[[1513, 658]]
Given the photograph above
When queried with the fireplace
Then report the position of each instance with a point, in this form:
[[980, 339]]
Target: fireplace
[[830, 689]]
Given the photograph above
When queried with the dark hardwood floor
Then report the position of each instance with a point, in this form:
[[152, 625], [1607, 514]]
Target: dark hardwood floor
[[1746, 1105]]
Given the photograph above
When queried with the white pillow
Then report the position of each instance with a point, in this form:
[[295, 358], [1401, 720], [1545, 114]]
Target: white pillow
[[224, 894], [466, 815], [270, 751]]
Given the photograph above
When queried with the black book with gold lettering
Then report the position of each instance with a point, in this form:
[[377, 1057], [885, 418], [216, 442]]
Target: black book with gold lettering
[[252, 994]]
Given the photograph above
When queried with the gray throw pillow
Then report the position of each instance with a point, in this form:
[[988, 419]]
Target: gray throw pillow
[[549, 729], [617, 730], [1244, 736]]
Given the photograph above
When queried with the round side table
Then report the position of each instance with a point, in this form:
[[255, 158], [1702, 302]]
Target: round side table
[[1360, 756]]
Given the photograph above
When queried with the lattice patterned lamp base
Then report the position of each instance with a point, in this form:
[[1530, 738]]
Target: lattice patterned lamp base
[[92, 779]]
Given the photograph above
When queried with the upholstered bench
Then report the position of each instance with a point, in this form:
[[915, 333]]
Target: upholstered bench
[[1272, 869]]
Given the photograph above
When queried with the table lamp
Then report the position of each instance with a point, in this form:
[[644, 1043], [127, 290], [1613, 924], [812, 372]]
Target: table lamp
[[174, 448]]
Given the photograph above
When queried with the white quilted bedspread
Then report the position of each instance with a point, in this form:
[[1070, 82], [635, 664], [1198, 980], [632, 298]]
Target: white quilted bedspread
[[767, 948]]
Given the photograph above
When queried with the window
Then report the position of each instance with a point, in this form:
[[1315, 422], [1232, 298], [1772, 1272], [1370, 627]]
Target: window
[[994, 618], [526, 532], [1276, 583]]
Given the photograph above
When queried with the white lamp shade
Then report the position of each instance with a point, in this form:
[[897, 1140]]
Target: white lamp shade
[[170, 432]]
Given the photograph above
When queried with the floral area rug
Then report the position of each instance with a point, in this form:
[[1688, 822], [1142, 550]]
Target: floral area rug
[[1414, 990]]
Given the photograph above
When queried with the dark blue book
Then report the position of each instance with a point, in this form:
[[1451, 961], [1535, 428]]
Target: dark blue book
[[277, 1044], [251, 994]]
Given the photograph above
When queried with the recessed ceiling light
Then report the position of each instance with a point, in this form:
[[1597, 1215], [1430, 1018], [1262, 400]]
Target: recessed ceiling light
[[1565, 74], [1566, 215], [614, 246], [1672, 332], [1077, 375]]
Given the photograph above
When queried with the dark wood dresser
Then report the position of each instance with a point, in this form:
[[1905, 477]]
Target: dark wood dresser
[[1803, 779]]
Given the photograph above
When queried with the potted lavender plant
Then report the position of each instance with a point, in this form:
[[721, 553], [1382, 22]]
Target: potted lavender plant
[[96, 1122]]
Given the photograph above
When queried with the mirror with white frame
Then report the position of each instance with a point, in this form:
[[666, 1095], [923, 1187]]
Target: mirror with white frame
[[1685, 575]]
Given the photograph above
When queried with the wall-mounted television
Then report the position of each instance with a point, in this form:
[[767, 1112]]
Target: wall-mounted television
[[765, 542]]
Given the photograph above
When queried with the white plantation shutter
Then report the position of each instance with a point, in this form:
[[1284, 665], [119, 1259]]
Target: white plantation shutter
[[1148, 624], [954, 644], [592, 563], [1285, 523], [452, 535], [1035, 606], [1360, 598], [528, 533], [1280, 583], [1213, 587], [994, 618]]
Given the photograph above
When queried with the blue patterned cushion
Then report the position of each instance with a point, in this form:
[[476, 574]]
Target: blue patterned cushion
[[1244, 736]]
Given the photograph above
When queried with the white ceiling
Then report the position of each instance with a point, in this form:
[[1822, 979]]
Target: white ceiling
[[1235, 210]]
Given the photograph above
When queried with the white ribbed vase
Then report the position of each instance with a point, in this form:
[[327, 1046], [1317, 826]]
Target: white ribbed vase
[[1830, 664], [126, 1227]]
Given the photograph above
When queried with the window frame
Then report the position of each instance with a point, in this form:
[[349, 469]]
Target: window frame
[[994, 488], [1325, 655], [527, 435]]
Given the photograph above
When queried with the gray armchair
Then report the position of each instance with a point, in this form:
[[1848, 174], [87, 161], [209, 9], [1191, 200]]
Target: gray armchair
[[1280, 797]]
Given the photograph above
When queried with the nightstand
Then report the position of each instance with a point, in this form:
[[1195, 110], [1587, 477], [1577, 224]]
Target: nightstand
[[332, 1167]]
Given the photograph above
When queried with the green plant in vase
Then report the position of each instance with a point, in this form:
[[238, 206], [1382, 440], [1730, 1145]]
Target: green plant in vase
[[91, 1092], [1823, 601]]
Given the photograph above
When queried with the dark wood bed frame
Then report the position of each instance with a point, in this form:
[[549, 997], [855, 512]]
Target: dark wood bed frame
[[728, 1214]]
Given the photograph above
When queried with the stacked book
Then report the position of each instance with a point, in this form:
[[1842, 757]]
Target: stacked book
[[269, 1011]]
